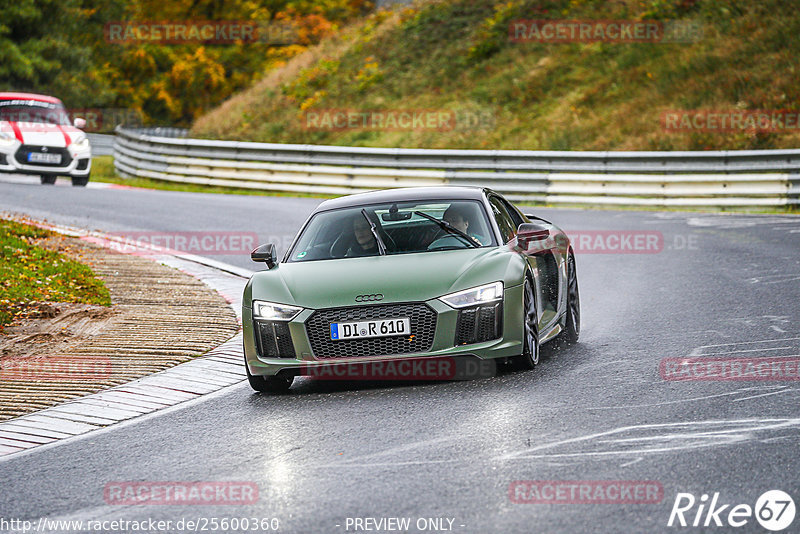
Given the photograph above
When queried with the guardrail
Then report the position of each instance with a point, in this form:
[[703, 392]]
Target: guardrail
[[719, 178], [102, 144]]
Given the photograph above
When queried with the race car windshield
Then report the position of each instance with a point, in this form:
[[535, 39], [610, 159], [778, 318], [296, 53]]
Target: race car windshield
[[33, 111], [403, 228]]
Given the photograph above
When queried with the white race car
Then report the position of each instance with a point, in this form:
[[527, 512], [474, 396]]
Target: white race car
[[36, 137]]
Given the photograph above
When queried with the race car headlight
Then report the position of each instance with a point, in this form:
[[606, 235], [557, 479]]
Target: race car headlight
[[81, 142], [274, 312], [475, 295], [6, 138]]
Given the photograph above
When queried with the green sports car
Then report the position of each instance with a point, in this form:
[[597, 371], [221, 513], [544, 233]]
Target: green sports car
[[409, 276]]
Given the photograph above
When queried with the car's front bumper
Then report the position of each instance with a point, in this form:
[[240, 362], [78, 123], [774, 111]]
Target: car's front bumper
[[79, 160], [305, 362]]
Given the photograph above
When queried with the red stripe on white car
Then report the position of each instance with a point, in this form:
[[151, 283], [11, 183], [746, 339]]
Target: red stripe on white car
[[17, 132], [67, 139]]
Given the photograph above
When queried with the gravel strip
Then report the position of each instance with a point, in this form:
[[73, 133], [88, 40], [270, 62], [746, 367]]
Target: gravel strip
[[160, 317]]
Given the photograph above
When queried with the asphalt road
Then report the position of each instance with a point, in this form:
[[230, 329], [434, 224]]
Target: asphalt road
[[719, 286]]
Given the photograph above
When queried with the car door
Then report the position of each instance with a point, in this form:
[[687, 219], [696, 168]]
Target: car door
[[506, 222]]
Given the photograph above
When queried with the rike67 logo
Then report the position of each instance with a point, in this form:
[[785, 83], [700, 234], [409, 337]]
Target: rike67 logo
[[774, 510]]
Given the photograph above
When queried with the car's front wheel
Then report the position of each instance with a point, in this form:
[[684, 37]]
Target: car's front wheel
[[530, 330], [269, 384], [80, 181], [48, 179]]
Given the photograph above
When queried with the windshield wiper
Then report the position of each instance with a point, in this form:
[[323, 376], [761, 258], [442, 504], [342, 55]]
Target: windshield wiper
[[446, 226], [378, 240]]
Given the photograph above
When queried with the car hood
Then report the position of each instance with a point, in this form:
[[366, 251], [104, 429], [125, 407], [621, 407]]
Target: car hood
[[401, 278], [43, 134]]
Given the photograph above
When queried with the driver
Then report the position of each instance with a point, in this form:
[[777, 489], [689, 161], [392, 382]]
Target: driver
[[457, 215]]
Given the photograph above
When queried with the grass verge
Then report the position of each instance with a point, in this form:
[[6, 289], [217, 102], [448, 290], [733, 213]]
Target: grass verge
[[456, 56], [30, 274]]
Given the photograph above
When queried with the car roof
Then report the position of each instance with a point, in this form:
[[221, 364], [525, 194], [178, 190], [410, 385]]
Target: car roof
[[449, 192], [29, 96]]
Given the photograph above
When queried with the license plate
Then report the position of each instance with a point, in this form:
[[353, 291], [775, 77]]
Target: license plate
[[38, 157], [372, 328]]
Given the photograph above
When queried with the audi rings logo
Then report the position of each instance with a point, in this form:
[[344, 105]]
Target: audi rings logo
[[369, 298]]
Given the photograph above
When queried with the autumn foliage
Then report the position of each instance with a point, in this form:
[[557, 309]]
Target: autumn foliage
[[59, 47]]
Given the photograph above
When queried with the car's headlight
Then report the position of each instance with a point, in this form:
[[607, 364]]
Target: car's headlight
[[7, 138], [475, 295], [81, 141], [274, 312]]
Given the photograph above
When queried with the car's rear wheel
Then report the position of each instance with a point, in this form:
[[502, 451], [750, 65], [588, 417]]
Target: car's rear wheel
[[80, 181], [269, 384], [572, 327], [530, 330], [47, 179]]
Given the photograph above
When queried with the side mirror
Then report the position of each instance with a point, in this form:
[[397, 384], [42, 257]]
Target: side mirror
[[528, 233], [266, 254], [79, 123]]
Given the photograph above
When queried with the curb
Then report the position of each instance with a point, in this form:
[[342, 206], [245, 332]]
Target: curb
[[219, 368]]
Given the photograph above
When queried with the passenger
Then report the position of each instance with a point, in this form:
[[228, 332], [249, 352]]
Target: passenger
[[364, 243]]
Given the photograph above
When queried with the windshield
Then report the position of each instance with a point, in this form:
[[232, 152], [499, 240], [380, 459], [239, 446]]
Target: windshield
[[401, 227], [33, 111]]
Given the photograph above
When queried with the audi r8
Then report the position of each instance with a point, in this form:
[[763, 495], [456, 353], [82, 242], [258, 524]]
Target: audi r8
[[36, 137], [409, 274]]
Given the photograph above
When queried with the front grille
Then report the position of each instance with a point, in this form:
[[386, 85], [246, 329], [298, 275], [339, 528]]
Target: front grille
[[22, 155], [479, 324], [423, 328], [274, 339]]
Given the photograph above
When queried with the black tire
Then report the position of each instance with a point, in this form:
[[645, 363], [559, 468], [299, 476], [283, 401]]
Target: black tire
[[530, 330], [80, 181], [572, 325], [269, 384], [47, 179]]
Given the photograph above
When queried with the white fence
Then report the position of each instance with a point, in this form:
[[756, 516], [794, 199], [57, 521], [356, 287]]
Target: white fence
[[719, 178]]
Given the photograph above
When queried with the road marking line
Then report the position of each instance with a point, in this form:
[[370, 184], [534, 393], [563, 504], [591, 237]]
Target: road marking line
[[764, 395]]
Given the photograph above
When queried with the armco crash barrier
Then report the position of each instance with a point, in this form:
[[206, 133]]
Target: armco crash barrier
[[714, 178]]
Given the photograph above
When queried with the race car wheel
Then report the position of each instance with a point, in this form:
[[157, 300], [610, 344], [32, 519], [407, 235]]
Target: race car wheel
[[530, 330], [48, 179], [269, 384], [80, 181], [572, 327]]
